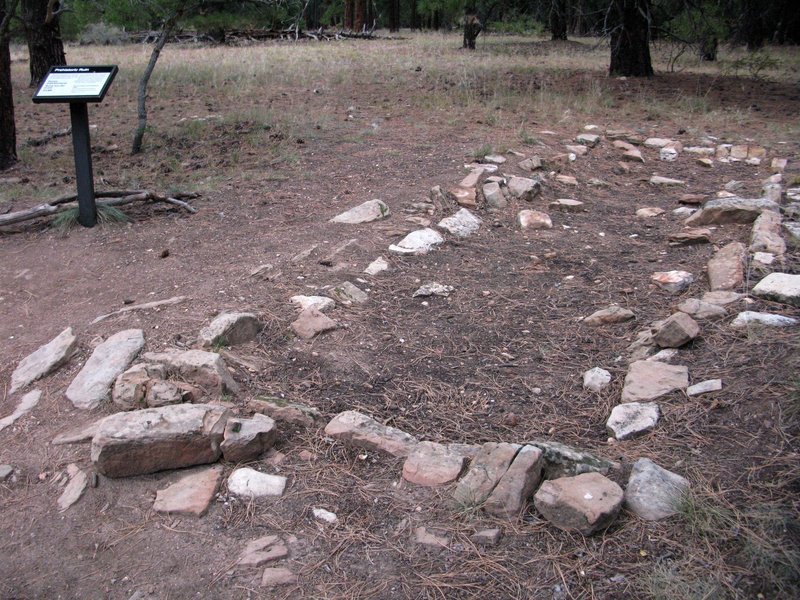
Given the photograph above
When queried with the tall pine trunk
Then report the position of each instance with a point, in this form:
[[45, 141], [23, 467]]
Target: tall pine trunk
[[630, 39], [559, 19], [8, 129], [43, 34]]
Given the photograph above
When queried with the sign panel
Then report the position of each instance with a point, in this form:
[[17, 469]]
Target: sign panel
[[75, 84]]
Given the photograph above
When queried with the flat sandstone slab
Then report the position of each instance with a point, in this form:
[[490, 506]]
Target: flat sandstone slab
[[190, 495], [45, 360]]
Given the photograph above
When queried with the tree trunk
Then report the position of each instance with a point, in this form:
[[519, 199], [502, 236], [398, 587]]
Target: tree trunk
[[349, 11], [360, 15], [43, 33], [472, 27], [630, 39], [8, 130], [752, 30], [394, 15], [559, 19]]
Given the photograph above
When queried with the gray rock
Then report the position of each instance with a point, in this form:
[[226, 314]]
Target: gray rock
[[433, 289], [701, 310], [566, 205], [673, 282], [263, 550], [421, 241], [230, 329], [726, 269], [792, 231], [766, 235], [509, 496], [487, 537], [596, 379], [722, 297], [586, 503], [321, 303], [462, 224], [779, 287], [130, 387], [163, 393], [371, 210], [78, 435], [665, 181], [720, 211], [524, 188], [653, 493], [311, 322], [666, 355], [533, 163], [424, 537], [534, 219], [156, 439], [44, 361], [378, 265], [275, 576], [75, 488], [247, 439], [205, 369], [26, 405], [748, 317], [495, 199], [486, 470], [347, 293], [704, 387], [432, 464], [192, 494], [648, 380], [249, 483], [360, 430], [562, 460], [5, 472], [677, 330], [93, 383], [632, 419], [655, 142], [608, 316], [287, 412], [588, 139]]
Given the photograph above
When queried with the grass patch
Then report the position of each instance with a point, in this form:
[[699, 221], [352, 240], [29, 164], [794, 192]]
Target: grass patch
[[66, 220]]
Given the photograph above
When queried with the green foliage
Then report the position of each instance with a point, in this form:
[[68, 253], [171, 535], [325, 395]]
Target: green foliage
[[752, 65]]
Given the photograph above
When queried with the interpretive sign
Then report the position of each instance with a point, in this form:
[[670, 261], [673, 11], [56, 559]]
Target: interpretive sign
[[75, 84], [78, 85]]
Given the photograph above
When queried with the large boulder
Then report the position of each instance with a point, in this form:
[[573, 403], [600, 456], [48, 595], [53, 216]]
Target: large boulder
[[156, 439]]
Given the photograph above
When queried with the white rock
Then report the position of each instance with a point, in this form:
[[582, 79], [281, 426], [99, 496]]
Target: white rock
[[43, 361], [249, 483], [649, 211], [421, 241], [230, 329], [657, 180], [668, 154], [652, 492], [495, 159], [683, 212], [378, 265], [26, 405], [749, 317], [596, 379], [673, 282], [710, 385], [93, 384], [321, 303], [74, 490], [665, 355], [433, 289], [325, 515], [779, 287], [371, 210], [588, 139], [524, 188], [632, 418], [534, 219], [462, 224], [656, 142]]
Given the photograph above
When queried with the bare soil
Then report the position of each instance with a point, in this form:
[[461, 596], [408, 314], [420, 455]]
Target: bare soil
[[501, 359]]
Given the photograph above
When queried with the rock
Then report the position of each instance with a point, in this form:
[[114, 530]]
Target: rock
[[524, 188], [371, 210], [495, 159], [722, 151], [93, 383], [694, 235], [743, 319], [649, 212], [677, 330], [567, 205], [632, 419], [704, 387], [275, 576], [26, 405], [779, 287], [653, 493], [534, 219], [561, 460], [683, 212], [433, 289], [648, 380], [155, 439], [656, 142], [44, 361], [633, 155], [588, 139], [792, 231], [198, 367], [722, 297], [320, 303], [533, 163], [623, 145], [701, 310], [586, 503], [347, 293], [738, 152], [778, 165], [78, 435], [287, 412], [311, 322], [705, 162], [432, 464], [421, 241], [163, 393], [511, 493], [230, 329], [6, 471], [673, 282], [462, 224], [596, 379], [326, 516], [666, 355], [247, 439], [665, 181], [766, 235], [191, 495], [609, 316], [486, 470], [130, 387], [669, 154], [700, 150], [721, 211], [566, 179], [495, 199], [462, 196], [427, 538], [726, 269], [577, 150], [249, 483], [487, 537], [262, 550], [360, 430], [761, 260], [377, 266]]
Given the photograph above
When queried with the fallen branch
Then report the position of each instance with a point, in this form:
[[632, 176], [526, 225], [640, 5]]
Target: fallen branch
[[145, 306], [41, 141], [117, 198]]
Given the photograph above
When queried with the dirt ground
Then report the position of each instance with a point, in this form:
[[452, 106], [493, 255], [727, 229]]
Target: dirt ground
[[501, 359]]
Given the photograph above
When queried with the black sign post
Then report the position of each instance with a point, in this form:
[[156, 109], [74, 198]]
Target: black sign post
[[78, 86]]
